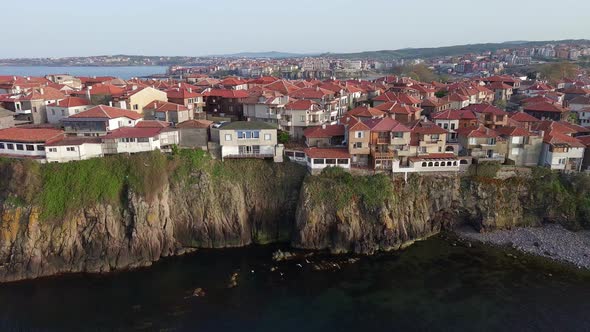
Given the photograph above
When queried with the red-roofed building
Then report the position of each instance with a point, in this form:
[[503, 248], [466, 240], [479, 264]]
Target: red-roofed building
[[99, 120], [481, 143], [133, 140], [451, 120], [521, 146], [522, 119], [226, 104], [167, 112], [325, 135], [27, 142], [546, 111], [65, 108], [188, 97], [301, 114], [320, 158], [389, 140], [489, 115]]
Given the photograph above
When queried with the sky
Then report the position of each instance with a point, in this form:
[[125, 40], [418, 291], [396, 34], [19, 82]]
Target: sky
[[58, 28]]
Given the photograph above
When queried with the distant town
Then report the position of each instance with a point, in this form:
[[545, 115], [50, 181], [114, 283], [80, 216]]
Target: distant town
[[522, 105]]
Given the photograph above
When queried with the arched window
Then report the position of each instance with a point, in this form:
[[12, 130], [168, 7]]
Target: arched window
[[430, 164], [424, 164], [464, 162], [436, 164], [454, 163]]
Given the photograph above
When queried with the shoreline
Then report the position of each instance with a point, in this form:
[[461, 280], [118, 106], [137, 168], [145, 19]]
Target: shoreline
[[548, 241]]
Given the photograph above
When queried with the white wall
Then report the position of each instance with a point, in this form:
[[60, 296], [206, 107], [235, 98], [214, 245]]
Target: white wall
[[24, 153], [60, 154], [54, 113]]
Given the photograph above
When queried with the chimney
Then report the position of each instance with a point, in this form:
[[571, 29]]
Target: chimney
[[324, 126], [110, 104]]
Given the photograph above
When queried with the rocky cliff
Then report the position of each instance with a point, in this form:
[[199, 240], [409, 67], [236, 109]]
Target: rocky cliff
[[105, 215]]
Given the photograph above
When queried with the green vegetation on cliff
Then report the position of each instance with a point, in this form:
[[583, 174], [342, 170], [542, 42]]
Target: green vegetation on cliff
[[59, 189], [335, 184]]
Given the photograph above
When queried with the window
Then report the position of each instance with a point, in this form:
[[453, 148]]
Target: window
[[435, 137], [255, 134], [135, 107], [10, 146], [228, 137], [143, 140], [359, 134], [472, 141], [30, 147], [52, 149], [302, 118], [446, 126], [561, 161], [267, 137], [452, 126], [40, 148], [517, 140], [318, 161], [331, 161], [2, 146], [71, 148], [20, 147], [34, 109], [342, 161], [515, 151], [52, 112], [397, 134], [63, 113]]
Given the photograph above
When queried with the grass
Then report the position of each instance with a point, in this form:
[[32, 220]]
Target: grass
[[60, 189], [338, 186]]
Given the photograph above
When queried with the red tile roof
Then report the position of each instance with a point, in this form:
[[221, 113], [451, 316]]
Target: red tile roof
[[164, 106], [131, 132], [336, 153], [227, 93], [195, 124], [523, 117], [477, 131], [324, 132], [366, 112], [544, 107], [71, 102], [386, 124], [152, 124], [107, 112], [30, 134], [513, 131], [303, 104], [455, 115], [178, 93]]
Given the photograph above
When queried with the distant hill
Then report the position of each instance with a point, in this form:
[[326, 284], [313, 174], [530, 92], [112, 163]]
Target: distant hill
[[270, 55], [413, 53]]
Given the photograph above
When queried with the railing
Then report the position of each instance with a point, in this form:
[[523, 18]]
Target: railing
[[383, 155], [23, 111], [249, 155], [383, 140]]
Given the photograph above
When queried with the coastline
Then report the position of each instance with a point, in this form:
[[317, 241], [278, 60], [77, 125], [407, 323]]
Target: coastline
[[549, 241]]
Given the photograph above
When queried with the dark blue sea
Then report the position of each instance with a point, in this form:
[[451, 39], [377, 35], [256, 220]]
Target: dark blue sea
[[431, 286]]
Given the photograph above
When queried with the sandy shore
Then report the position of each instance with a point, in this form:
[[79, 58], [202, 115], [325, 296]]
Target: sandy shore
[[551, 241]]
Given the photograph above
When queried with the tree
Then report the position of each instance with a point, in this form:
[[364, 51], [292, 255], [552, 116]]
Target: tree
[[441, 93], [500, 103], [554, 72], [283, 137]]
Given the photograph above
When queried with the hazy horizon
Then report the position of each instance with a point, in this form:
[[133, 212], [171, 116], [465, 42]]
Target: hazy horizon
[[184, 28]]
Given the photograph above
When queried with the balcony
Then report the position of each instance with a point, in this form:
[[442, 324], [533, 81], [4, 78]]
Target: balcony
[[285, 123], [273, 116], [383, 140], [383, 154], [23, 111]]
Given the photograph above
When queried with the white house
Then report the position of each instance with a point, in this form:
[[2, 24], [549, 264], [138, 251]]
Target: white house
[[250, 139], [73, 148], [23, 142], [65, 108], [319, 158], [562, 152], [134, 140], [100, 120]]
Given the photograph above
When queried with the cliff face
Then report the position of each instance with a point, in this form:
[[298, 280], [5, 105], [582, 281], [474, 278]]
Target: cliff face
[[257, 203], [200, 212]]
